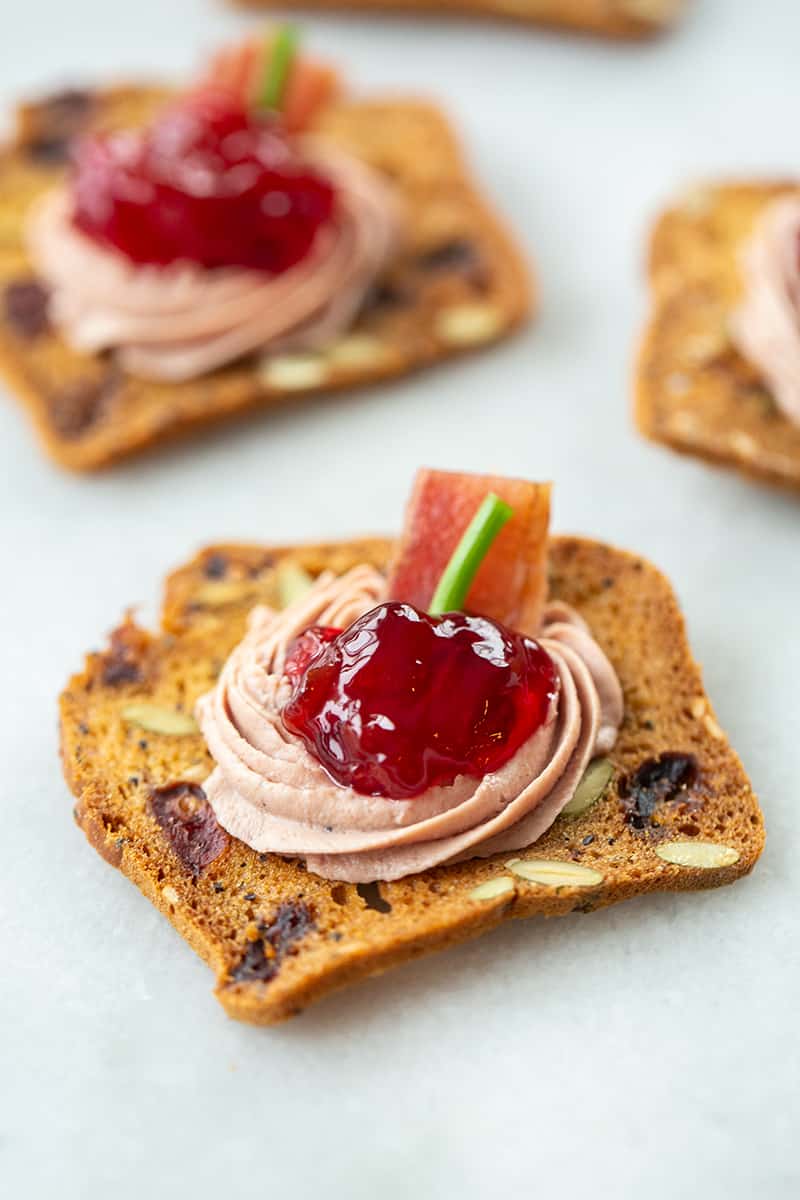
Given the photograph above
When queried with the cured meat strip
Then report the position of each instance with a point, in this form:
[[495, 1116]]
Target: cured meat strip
[[511, 583]]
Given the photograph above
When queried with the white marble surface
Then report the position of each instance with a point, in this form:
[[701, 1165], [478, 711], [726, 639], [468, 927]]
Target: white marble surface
[[647, 1050]]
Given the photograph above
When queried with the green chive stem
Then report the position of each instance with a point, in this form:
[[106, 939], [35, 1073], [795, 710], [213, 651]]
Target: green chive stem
[[283, 46], [468, 555]]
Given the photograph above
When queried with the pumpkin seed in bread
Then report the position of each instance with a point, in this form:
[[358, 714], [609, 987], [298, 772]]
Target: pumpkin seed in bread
[[671, 810], [458, 284], [694, 391]]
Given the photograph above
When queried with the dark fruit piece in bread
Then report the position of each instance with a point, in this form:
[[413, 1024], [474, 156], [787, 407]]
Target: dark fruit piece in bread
[[458, 284], [278, 937], [694, 391], [607, 18]]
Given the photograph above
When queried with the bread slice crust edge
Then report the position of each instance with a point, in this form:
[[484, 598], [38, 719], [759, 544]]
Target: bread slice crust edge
[[693, 391], [278, 937], [459, 284]]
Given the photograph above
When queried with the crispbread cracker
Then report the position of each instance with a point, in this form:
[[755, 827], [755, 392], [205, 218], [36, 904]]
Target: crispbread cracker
[[694, 391], [278, 937], [458, 284], [608, 18]]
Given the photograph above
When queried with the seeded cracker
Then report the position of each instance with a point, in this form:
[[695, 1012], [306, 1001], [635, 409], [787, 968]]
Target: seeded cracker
[[609, 18], [694, 391], [671, 809], [459, 284]]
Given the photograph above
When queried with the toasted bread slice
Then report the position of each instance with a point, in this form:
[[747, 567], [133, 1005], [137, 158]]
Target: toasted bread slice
[[608, 18], [278, 937], [458, 284], [694, 391]]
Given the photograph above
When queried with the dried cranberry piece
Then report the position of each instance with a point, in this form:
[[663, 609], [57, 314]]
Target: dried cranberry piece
[[66, 109], [80, 405], [386, 295], [291, 922], [459, 254], [255, 965], [120, 670], [25, 307], [123, 662], [49, 151], [262, 959], [188, 821], [657, 781], [56, 120], [215, 566]]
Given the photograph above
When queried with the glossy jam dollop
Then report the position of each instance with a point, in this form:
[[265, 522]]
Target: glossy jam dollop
[[401, 701], [208, 182]]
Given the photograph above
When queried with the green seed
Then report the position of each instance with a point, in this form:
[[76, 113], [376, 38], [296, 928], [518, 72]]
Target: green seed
[[592, 786], [293, 583], [492, 888], [554, 873], [156, 719], [697, 854]]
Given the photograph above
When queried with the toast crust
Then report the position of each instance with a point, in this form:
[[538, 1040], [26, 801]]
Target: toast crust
[[235, 910], [458, 284], [625, 19], [694, 391]]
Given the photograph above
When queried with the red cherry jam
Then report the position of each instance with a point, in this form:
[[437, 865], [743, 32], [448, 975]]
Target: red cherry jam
[[305, 649], [401, 701], [208, 182]]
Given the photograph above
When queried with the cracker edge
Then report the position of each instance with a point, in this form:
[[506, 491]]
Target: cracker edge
[[286, 996], [644, 393], [617, 27], [523, 305]]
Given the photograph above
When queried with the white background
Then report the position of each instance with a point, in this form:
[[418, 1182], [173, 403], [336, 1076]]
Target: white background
[[647, 1050]]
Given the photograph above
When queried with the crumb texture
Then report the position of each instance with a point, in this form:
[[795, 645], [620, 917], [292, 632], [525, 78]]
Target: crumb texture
[[278, 937]]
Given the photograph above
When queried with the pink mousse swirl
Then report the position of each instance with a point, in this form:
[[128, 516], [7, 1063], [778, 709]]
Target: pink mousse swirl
[[766, 326], [268, 791], [181, 321]]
